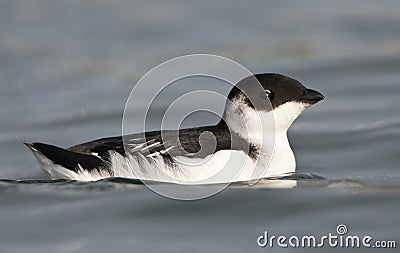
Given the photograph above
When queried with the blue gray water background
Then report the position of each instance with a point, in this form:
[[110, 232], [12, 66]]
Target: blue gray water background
[[66, 70]]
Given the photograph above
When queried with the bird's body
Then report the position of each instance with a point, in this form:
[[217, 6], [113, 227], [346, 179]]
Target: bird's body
[[250, 142]]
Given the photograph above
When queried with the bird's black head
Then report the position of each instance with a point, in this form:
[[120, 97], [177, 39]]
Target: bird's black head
[[279, 89]]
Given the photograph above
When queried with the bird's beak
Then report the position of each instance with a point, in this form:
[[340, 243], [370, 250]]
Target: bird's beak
[[311, 96]]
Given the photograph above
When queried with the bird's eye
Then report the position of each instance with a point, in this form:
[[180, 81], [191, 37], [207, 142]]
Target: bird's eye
[[270, 94], [267, 94]]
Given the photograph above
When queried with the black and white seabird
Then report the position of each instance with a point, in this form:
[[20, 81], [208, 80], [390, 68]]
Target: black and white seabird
[[153, 155]]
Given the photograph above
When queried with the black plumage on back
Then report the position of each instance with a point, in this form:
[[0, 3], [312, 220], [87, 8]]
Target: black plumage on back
[[187, 143]]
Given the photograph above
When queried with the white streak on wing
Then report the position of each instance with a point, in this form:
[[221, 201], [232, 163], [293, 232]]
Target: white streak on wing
[[146, 146], [166, 150], [135, 139], [156, 144], [95, 154], [137, 148], [153, 154]]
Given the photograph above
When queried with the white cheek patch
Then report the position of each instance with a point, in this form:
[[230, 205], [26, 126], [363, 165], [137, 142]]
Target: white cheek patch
[[287, 113], [256, 123], [246, 122]]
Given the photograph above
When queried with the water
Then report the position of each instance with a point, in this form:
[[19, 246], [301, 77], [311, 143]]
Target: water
[[66, 69]]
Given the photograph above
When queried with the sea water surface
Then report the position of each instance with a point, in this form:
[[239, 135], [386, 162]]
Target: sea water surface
[[66, 70]]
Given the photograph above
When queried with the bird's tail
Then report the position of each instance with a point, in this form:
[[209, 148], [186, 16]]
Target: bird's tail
[[48, 154]]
